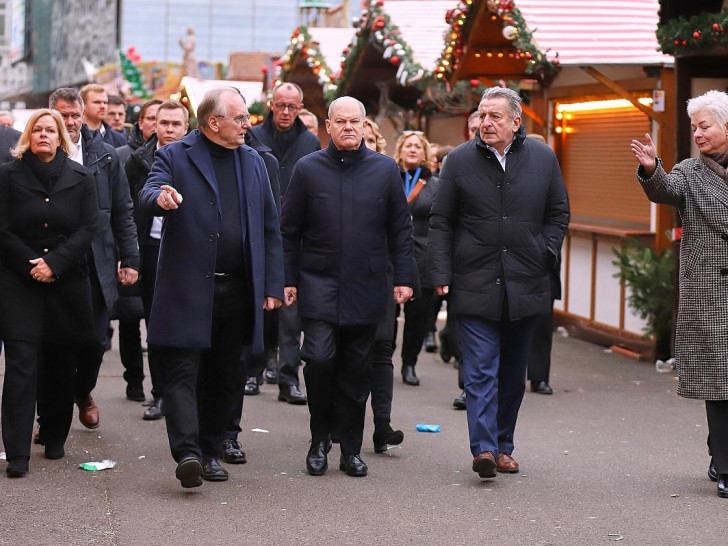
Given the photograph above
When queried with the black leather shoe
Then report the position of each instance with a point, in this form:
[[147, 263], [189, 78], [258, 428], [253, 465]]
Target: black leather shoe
[[723, 486], [384, 436], [541, 387], [292, 395], [459, 402], [17, 467], [189, 472], [231, 452], [251, 386], [54, 452], [353, 466], [155, 410], [135, 393], [712, 472], [430, 343], [212, 471], [408, 375], [316, 459], [445, 352], [270, 375]]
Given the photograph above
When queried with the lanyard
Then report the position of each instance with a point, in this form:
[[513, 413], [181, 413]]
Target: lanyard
[[411, 181]]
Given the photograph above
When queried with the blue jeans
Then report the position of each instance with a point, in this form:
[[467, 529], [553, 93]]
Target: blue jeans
[[495, 358]]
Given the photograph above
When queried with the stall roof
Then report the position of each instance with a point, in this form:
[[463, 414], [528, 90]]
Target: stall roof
[[596, 32], [196, 89], [331, 41]]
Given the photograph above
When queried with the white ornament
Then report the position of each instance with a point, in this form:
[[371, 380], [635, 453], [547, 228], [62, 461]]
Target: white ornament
[[510, 32]]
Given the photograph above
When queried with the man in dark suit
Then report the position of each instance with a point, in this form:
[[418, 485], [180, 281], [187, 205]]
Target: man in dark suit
[[496, 226], [344, 210], [220, 265], [96, 102], [114, 253], [290, 140]]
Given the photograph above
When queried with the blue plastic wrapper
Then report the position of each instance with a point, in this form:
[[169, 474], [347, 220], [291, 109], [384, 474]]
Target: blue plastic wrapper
[[428, 428]]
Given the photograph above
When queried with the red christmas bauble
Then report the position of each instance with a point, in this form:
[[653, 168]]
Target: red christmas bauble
[[264, 69], [696, 34], [716, 26], [379, 24], [475, 82], [394, 59]]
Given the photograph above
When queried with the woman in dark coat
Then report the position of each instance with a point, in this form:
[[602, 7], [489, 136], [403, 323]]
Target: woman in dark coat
[[48, 216], [412, 154]]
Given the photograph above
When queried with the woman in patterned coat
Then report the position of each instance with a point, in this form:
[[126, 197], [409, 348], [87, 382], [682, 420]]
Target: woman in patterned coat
[[698, 188]]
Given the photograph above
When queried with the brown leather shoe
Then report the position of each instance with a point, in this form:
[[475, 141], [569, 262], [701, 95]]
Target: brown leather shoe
[[484, 465], [506, 463], [88, 412]]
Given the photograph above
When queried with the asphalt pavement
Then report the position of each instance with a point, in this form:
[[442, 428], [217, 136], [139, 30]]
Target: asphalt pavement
[[613, 456]]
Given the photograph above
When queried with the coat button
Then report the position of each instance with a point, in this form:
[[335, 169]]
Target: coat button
[[498, 186], [208, 274], [47, 200], [45, 251], [505, 217], [211, 238], [498, 281], [724, 272], [724, 236], [45, 225], [505, 249], [212, 201]]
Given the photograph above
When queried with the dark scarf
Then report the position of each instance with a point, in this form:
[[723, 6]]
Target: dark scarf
[[717, 163], [46, 173]]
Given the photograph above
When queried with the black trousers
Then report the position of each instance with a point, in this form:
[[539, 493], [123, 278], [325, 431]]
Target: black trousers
[[201, 383], [130, 351], [289, 346], [33, 369], [148, 279], [382, 379], [416, 324], [717, 412], [92, 352], [337, 373], [539, 357]]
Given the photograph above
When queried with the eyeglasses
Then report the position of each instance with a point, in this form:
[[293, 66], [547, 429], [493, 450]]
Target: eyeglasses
[[240, 120], [150, 118], [291, 107], [408, 133]]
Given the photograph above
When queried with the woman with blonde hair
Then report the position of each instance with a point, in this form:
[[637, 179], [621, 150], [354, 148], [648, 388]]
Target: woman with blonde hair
[[48, 217], [412, 154]]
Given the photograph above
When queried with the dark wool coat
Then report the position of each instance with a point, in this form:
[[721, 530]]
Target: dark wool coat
[[701, 339], [304, 143], [116, 238], [181, 313], [115, 139], [341, 213], [57, 224], [494, 233]]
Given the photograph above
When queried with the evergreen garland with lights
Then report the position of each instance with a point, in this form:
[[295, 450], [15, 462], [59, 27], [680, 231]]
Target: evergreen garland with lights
[[514, 28], [702, 31], [303, 43]]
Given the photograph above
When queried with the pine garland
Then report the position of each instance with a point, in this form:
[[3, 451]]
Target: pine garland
[[303, 44], [700, 32]]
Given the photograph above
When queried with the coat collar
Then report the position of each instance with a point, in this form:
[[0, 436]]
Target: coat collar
[[347, 159], [72, 174]]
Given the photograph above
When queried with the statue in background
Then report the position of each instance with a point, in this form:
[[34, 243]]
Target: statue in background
[[189, 62]]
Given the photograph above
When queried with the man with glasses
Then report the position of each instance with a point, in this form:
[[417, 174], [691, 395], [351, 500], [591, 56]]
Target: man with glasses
[[220, 266], [284, 132], [141, 131]]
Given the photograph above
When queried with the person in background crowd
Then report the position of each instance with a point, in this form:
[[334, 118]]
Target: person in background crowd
[[496, 228], [8, 139], [310, 120], [171, 126], [539, 357], [473, 125], [335, 245], [116, 114], [382, 367], [48, 216], [284, 133], [412, 154], [697, 188], [7, 119], [141, 131], [114, 254], [96, 102], [220, 266]]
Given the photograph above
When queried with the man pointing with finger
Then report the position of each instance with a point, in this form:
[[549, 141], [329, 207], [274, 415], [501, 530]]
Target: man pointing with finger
[[344, 213], [220, 266]]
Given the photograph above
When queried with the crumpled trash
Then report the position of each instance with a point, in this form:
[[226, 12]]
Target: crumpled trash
[[665, 366], [427, 428], [98, 465], [259, 430], [2, 455]]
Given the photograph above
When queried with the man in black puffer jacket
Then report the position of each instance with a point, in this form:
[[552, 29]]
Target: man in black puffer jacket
[[496, 228]]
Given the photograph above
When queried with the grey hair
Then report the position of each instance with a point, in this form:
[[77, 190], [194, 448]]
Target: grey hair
[[211, 104], [713, 102], [335, 101], [66, 94], [513, 99], [7, 113]]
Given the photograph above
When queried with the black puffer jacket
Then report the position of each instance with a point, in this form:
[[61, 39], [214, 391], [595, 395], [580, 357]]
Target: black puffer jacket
[[495, 233]]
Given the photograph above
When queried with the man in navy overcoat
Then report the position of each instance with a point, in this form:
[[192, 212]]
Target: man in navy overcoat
[[220, 265]]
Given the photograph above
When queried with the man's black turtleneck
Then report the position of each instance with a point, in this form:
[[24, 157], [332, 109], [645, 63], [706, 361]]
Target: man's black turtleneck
[[230, 233]]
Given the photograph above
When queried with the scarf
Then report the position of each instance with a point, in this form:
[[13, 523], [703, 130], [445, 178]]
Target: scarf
[[46, 172], [717, 163]]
